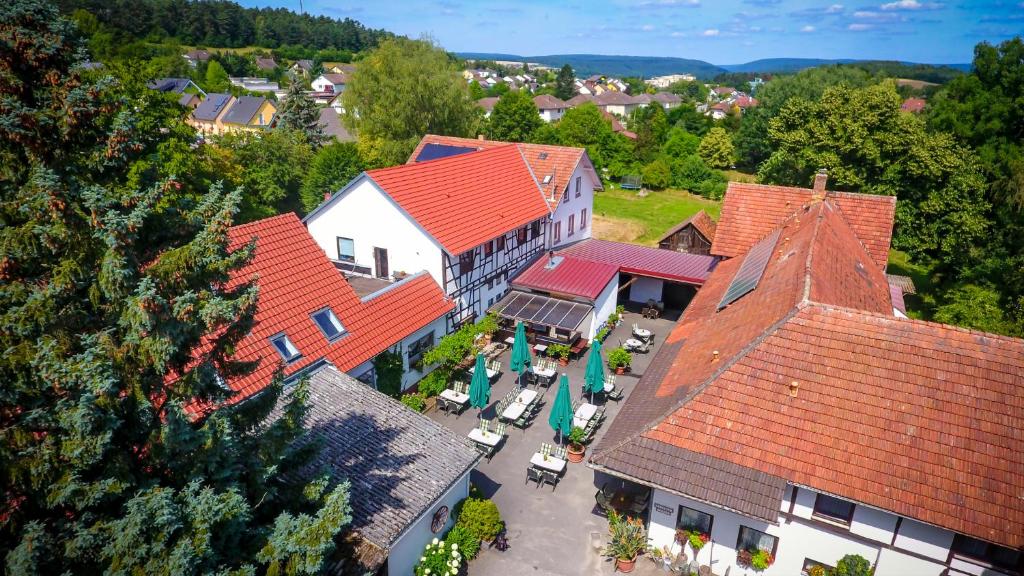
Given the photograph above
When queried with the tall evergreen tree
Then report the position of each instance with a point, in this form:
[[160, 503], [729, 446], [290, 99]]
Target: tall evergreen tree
[[116, 318], [565, 87], [299, 112]]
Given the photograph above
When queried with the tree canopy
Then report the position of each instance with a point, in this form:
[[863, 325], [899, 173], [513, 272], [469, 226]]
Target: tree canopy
[[116, 317], [298, 112], [514, 118], [401, 91], [565, 87], [716, 148]]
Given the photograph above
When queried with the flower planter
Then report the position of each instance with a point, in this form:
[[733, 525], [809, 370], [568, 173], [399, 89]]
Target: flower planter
[[563, 361], [620, 370], [572, 455], [625, 566]]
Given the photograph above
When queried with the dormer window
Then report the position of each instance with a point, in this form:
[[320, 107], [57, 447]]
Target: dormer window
[[542, 156], [284, 347], [328, 323]]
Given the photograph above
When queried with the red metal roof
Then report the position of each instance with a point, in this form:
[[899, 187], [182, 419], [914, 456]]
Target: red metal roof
[[645, 261], [572, 276], [751, 211], [467, 199], [908, 416], [295, 279]]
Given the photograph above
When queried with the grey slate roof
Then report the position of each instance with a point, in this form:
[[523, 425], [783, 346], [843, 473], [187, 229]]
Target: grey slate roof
[[399, 462], [212, 106], [332, 125], [176, 85], [737, 488], [244, 108]]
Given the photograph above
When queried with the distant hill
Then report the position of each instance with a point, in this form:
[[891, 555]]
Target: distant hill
[[647, 66], [587, 64]]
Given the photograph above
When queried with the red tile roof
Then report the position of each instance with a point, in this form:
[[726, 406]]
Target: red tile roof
[[573, 276], [559, 162], [700, 221], [751, 211], [295, 279], [908, 416], [644, 260], [913, 105], [468, 199]]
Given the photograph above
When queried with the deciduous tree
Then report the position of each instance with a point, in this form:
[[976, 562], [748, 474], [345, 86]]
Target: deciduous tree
[[716, 148], [332, 167], [514, 118]]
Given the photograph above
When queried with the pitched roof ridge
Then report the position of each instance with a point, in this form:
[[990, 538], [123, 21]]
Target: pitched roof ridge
[[806, 296], [393, 286], [839, 210], [696, 390], [921, 322], [534, 177], [264, 222], [864, 195]]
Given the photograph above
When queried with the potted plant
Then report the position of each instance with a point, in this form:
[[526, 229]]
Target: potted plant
[[759, 560], [560, 351], [695, 538], [628, 539], [613, 319], [619, 359], [576, 448]]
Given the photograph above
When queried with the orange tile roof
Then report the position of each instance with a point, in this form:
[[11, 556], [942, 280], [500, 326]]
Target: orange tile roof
[[700, 221], [751, 211], [908, 416], [467, 199], [295, 279], [560, 161]]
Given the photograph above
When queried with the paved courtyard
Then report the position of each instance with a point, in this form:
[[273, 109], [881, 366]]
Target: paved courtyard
[[550, 532]]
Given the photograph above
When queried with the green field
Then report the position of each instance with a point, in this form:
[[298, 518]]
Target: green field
[[623, 216]]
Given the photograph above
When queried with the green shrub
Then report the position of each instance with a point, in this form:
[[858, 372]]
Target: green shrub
[[439, 559], [467, 543], [657, 174], [559, 351], [417, 401], [433, 383], [601, 334], [481, 518], [619, 357], [388, 368], [852, 565]]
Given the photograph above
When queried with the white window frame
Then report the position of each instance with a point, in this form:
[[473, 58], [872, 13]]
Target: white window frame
[[332, 318], [293, 352]]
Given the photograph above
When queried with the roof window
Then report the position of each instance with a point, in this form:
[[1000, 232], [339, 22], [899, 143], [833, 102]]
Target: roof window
[[284, 347], [547, 179], [328, 323], [542, 156]]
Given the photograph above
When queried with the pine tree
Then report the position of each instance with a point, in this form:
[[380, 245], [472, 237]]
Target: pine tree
[[111, 279], [299, 112], [565, 87]]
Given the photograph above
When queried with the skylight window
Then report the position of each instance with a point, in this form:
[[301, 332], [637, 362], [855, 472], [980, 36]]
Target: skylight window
[[542, 156], [547, 179], [284, 347], [328, 323]]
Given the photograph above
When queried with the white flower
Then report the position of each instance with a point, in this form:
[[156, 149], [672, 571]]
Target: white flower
[[434, 541], [423, 558], [427, 571], [455, 546]]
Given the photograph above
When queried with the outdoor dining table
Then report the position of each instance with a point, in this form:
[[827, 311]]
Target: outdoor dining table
[[485, 438], [525, 397], [632, 343], [540, 348], [550, 463], [642, 333], [548, 373], [514, 410], [457, 397], [583, 415], [490, 373]]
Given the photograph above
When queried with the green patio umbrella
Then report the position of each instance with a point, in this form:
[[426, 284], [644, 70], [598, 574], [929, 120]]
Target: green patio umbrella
[[561, 411], [520, 361], [593, 378], [480, 386]]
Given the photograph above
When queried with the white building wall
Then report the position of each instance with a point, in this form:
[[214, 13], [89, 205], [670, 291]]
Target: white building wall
[[371, 219], [574, 206], [800, 539], [411, 375], [552, 114], [645, 289], [405, 553], [603, 306]]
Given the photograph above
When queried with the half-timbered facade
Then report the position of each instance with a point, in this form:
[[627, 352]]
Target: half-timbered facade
[[472, 221]]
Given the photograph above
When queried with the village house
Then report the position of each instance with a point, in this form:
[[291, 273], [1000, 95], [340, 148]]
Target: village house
[[190, 94], [266, 64], [249, 113], [667, 100], [663, 82], [914, 105], [301, 68], [208, 116], [194, 57], [330, 82], [550, 108], [487, 105], [618, 103], [692, 236], [792, 416], [338, 68], [434, 214]]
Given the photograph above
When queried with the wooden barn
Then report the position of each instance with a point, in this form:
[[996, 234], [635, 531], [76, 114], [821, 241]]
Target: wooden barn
[[692, 236]]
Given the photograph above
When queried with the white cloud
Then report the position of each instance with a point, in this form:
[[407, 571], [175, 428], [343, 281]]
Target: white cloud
[[710, 32], [668, 3], [859, 27], [647, 27], [807, 28], [677, 34], [911, 5], [865, 14], [834, 9]]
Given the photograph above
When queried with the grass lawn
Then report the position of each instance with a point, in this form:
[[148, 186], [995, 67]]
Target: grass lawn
[[922, 304], [623, 216]]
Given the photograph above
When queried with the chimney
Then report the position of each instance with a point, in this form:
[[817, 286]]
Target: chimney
[[327, 196], [793, 387], [714, 356], [479, 136], [820, 179]]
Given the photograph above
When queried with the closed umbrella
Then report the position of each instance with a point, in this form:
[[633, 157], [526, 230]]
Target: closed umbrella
[[593, 378], [480, 386], [521, 360], [561, 412]]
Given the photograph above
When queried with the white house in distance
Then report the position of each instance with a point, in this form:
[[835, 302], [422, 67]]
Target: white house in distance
[[331, 82], [790, 414], [550, 108], [472, 213]]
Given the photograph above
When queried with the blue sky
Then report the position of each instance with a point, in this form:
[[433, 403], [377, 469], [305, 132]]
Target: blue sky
[[718, 31]]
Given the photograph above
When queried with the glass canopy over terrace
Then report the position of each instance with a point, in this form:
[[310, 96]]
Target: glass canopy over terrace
[[538, 309]]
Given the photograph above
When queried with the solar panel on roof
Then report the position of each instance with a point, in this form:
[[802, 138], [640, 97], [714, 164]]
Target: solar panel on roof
[[751, 270], [539, 309], [435, 151]]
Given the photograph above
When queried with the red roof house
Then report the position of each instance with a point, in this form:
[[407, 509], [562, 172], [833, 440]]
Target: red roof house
[[914, 105]]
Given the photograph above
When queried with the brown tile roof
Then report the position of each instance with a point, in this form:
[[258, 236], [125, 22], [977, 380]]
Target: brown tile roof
[[751, 211], [700, 222], [579, 99], [544, 159], [487, 103], [908, 416], [548, 102]]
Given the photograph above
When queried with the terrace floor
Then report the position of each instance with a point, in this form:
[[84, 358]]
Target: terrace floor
[[550, 532]]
